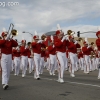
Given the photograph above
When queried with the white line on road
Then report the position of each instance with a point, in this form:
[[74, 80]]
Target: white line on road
[[67, 81]]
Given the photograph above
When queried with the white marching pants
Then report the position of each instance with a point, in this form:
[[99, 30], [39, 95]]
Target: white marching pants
[[73, 60], [24, 63], [90, 63], [87, 60], [41, 65], [81, 63], [76, 62], [53, 63], [30, 61], [12, 67], [93, 64], [6, 64], [97, 62], [17, 65], [37, 58], [61, 57], [47, 64]]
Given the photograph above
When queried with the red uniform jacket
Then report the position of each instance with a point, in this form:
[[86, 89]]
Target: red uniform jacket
[[80, 55], [86, 51], [73, 47], [61, 46], [43, 48], [6, 46], [16, 53], [52, 50], [98, 43], [23, 51], [36, 47], [47, 54], [29, 53]]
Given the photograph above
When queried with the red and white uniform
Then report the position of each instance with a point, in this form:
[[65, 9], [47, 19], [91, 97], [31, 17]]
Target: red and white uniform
[[16, 54], [72, 48], [61, 55], [81, 60], [98, 46], [53, 59], [47, 64], [36, 47], [86, 52], [30, 60], [6, 58], [43, 48], [24, 59]]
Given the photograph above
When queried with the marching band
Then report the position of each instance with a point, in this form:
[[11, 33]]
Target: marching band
[[62, 53]]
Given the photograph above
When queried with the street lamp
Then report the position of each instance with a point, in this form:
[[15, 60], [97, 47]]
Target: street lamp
[[27, 32]]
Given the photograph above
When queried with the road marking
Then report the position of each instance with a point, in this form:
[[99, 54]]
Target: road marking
[[67, 81]]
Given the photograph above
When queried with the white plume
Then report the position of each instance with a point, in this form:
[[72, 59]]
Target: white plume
[[35, 32], [51, 37], [58, 27], [95, 48], [99, 28], [4, 30], [86, 39]]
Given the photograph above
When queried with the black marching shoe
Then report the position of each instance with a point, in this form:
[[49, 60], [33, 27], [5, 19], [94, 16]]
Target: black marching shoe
[[5, 87]]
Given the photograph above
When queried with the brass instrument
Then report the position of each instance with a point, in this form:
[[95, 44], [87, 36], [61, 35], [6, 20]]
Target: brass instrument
[[14, 32], [70, 32], [92, 43], [79, 39], [43, 37], [92, 55]]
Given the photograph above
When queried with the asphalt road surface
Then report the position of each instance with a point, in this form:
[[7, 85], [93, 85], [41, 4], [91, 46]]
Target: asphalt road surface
[[82, 87]]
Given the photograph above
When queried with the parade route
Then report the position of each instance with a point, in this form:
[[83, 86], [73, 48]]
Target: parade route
[[82, 87]]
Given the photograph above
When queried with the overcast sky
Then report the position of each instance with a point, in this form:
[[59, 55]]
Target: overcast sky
[[44, 15]]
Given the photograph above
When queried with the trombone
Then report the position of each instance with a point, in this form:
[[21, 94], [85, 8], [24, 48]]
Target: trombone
[[13, 31]]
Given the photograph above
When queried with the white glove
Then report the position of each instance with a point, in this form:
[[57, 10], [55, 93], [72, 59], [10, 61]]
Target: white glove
[[17, 48], [40, 41], [51, 37], [53, 46], [8, 37], [89, 46], [67, 38], [26, 47], [75, 42], [63, 38]]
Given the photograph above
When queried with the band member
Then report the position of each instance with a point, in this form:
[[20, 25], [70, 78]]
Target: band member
[[53, 59], [60, 44], [43, 49], [30, 57], [36, 47], [81, 59], [97, 57], [98, 46], [47, 63], [86, 49], [6, 45], [72, 48], [16, 54], [24, 57]]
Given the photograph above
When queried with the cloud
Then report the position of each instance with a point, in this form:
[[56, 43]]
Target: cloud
[[44, 15]]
